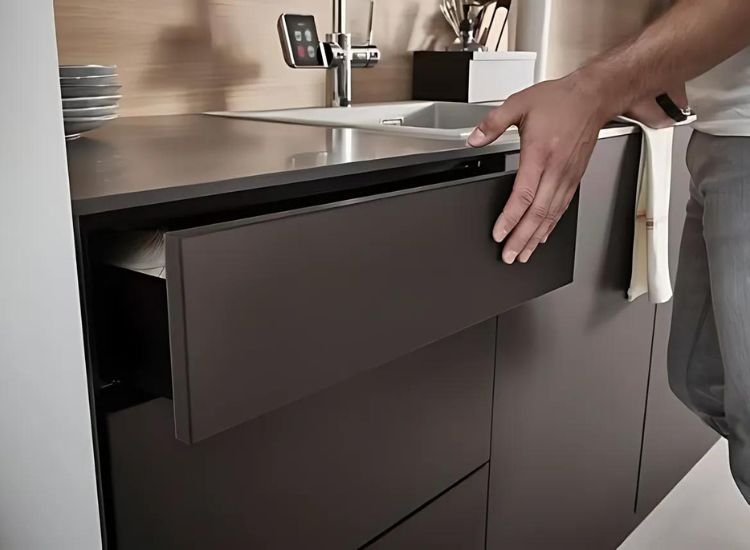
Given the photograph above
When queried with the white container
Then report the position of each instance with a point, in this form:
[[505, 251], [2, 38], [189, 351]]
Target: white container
[[495, 76]]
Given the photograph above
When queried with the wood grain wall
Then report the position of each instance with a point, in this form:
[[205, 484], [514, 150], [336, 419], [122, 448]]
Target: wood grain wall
[[178, 56], [185, 56], [401, 27], [580, 29]]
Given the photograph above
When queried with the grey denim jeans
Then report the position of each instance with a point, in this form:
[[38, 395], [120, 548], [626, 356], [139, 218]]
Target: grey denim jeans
[[709, 348]]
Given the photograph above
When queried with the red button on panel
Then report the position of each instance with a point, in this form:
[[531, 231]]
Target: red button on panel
[[301, 52]]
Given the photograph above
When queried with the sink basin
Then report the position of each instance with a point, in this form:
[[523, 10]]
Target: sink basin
[[430, 119]]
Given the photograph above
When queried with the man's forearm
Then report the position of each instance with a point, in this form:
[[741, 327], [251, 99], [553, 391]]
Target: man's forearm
[[686, 41]]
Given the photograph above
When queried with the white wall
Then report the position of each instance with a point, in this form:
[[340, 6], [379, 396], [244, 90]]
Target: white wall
[[48, 494]]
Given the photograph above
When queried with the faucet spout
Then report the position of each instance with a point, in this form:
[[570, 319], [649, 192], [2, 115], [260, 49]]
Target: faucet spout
[[339, 16]]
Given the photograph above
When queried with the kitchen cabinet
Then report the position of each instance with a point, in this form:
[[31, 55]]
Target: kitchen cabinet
[[317, 370], [329, 377], [453, 521], [570, 386], [674, 438]]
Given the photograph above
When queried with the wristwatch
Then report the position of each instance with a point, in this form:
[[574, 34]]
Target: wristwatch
[[672, 110]]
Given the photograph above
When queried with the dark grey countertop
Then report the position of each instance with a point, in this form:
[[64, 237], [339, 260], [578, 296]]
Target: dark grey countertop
[[143, 161]]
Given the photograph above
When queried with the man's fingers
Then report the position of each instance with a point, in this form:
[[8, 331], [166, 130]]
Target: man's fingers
[[494, 125], [566, 204], [556, 210], [523, 194], [542, 232], [536, 216]]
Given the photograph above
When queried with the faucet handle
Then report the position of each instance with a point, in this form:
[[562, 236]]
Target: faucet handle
[[367, 55], [371, 24]]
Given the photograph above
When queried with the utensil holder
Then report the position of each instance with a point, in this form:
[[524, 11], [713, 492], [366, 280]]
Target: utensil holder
[[471, 77]]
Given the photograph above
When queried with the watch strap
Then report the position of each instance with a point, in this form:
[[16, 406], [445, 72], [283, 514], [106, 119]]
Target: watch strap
[[671, 108]]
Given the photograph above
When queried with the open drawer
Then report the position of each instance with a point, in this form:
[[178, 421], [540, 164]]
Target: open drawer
[[267, 310]]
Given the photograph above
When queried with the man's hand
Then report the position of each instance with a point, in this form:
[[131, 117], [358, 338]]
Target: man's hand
[[559, 120], [559, 123]]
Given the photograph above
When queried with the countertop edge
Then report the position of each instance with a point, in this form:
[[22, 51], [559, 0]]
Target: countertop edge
[[99, 205]]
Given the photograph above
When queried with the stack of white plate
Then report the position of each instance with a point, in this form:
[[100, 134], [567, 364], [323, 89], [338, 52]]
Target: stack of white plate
[[90, 96]]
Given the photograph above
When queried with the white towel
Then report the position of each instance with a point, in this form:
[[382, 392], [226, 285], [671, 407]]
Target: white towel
[[651, 243], [140, 251]]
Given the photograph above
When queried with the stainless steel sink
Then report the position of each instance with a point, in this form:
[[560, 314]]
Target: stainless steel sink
[[436, 120]]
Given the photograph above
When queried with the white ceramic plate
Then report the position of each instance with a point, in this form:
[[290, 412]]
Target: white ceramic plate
[[95, 80], [105, 110], [87, 70], [86, 102], [85, 124], [88, 91]]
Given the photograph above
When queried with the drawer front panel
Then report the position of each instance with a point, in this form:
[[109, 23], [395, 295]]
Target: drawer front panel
[[330, 471], [454, 521], [266, 311]]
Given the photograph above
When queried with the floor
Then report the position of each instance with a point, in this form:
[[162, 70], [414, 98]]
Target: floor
[[704, 512]]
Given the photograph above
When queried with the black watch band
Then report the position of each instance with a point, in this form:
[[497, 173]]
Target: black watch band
[[671, 108]]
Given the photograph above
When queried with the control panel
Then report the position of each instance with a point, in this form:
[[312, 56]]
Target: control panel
[[300, 42]]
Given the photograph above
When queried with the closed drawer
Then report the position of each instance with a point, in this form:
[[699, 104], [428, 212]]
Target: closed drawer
[[330, 471], [265, 311], [454, 521]]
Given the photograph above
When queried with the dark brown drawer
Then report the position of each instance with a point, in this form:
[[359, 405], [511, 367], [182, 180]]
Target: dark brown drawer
[[330, 471], [265, 311], [454, 521]]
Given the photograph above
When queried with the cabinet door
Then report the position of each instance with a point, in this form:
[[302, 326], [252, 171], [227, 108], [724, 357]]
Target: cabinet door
[[674, 438], [266, 311], [331, 471], [453, 521], [571, 381]]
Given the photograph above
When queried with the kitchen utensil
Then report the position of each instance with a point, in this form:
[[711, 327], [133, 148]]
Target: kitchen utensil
[[501, 12], [89, 91], [483, 14], [502, 29], [90, 80], [449, 18], [453, 12], [486, 28], [86, 102], [85, 124], [84, 112], [70, 71], [470, 15]]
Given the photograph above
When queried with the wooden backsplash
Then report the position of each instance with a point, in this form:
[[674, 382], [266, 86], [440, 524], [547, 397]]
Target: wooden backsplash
[[187, 56], [580, 29]]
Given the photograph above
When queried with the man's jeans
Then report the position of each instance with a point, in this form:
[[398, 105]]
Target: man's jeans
[[709, 348]]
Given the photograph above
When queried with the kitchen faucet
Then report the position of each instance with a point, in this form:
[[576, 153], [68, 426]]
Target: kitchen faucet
[[299, 41]]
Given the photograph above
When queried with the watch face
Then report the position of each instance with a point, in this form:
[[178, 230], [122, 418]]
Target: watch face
[[303, 35]]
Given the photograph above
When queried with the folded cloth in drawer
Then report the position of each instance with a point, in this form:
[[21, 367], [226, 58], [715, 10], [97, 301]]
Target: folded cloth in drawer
[[139, 251]]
